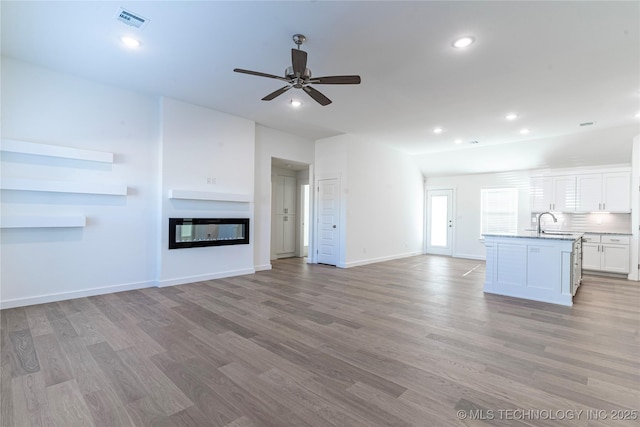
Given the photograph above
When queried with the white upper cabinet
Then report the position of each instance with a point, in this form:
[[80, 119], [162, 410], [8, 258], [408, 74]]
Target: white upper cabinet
[[285, 194], [607, 192], [541, 191], [283, 239], [564, 193], [616, 196], [556, 193], [590, 193]]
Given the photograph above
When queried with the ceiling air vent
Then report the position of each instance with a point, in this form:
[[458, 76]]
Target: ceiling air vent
[[131, 18], [587, 123], [473, 142]]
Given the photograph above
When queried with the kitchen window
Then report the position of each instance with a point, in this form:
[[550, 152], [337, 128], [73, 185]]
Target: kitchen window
[[498, 211]]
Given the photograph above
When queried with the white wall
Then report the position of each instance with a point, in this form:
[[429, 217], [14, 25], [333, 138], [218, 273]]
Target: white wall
[[634, 273], [381, 201], [116, 249], [157, 148], [272, 143], [467, 242], [199, 144]]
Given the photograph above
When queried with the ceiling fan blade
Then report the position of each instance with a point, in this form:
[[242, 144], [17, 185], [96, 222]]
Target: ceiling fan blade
[[319, 97], [276, 93], [257, 73], [336, 80], [299, 61]]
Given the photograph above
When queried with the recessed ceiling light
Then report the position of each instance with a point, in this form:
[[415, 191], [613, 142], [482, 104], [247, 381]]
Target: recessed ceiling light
[[437, 130], [638, 114], [511, 116], [296, 103], [463, 42], [458, 141], [130, 41], [524, 131]]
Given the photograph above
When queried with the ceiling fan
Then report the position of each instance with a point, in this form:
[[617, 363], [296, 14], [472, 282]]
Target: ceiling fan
[[298, 76]]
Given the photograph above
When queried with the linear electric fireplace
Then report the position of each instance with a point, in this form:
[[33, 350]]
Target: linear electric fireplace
[[198, 232]]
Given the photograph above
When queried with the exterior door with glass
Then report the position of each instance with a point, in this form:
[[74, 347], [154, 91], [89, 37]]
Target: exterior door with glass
[[440, 222]]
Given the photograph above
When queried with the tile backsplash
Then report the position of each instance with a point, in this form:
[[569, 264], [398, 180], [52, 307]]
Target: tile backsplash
[[586, 222]]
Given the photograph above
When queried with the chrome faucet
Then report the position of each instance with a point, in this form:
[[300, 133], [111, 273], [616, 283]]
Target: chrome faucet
[[540, 217]]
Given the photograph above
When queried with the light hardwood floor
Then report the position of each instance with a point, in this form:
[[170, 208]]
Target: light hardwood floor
[[406, 342]]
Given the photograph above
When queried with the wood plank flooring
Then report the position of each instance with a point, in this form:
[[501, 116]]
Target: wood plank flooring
[[411, 342]]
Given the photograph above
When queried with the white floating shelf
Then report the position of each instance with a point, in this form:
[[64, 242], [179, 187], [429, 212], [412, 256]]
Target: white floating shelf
[[205, 195], [42, 221], [63, 186], [25, 147]]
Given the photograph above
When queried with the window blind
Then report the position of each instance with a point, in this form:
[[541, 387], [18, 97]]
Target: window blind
[[498, 210]]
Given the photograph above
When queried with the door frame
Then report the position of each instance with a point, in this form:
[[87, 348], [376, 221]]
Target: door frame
[[274, 216], [301, 218], [426, 219], [314, 195], [298, 228]]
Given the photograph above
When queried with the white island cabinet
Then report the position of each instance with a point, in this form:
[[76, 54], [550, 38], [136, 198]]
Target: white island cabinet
[[540, 267]]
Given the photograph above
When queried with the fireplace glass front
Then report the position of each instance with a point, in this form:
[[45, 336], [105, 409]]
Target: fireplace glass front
[[198, 232]]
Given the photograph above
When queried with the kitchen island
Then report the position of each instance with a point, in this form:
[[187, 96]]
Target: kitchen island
[[537, 266]]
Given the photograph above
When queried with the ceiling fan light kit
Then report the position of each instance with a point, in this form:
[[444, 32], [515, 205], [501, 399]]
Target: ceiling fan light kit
[[462, 42], [298, 76]]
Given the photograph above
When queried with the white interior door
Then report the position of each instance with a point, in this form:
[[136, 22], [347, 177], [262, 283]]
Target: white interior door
[[328, 222], [440, 222]]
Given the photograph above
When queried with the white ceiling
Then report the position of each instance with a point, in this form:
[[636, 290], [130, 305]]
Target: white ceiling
[[557, 64]]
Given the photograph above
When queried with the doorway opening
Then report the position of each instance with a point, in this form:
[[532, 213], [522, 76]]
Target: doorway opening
[[290, 209], [305, 219]]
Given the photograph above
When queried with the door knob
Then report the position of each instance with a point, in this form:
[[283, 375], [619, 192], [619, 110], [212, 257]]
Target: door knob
[[334, 226]]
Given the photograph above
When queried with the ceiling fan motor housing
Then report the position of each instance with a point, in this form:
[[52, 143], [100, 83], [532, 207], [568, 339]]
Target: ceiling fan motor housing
[[288, 73]]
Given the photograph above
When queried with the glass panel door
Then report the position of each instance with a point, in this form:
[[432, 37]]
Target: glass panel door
[[440, 222]]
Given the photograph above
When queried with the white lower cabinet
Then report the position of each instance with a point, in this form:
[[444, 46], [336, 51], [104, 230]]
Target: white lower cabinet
[[285, 237], [615, 258], [591, 259], [576, 273], [607, 253], [540, 268]]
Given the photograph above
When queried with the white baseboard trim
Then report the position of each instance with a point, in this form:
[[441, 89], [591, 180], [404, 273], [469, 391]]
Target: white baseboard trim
[[262, 267], [468, 256], [203, 277], [379, 259], [62, 296]]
